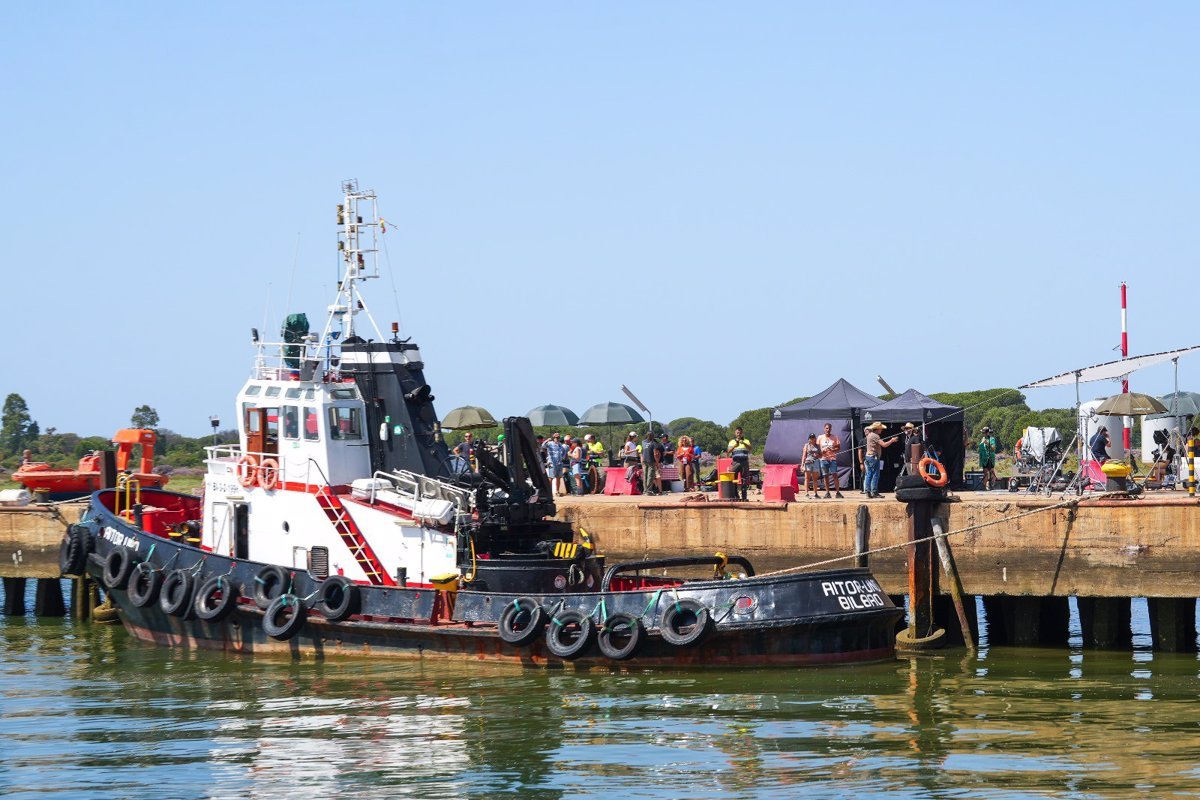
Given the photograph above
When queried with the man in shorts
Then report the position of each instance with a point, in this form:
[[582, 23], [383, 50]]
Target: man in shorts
[[830, 446], [987, 457]]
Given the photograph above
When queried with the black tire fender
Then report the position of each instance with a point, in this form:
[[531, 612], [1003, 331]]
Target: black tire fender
[[522, 621], [215, 599], [269, 584], [620, 636], [117, 566], [144, 583], [176, 593], [338, 598], [684, 623], [284, 617], [569, 634]]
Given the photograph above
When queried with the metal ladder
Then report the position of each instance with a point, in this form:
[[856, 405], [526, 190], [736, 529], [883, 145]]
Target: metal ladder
[[344, 524]]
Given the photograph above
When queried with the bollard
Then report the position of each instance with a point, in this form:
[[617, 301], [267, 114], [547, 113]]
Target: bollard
[[1191, 481], [923, 632]]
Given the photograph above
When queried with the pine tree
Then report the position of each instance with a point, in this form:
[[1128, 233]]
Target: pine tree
[[144, 417], [18, 429]]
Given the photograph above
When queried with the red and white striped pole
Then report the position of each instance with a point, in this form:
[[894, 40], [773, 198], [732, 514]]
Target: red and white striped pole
[[1125, 431]]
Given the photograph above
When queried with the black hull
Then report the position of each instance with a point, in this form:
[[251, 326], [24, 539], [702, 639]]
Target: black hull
[[799, 619]]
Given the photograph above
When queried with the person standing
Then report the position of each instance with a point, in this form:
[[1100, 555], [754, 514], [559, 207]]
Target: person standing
[[1099, 445], [555, 455], [811, 460], [578, 462], [466, 451], [739, 451], [595, 456], [652, 454], [685, 460], [912, 438], [830, 446], [987, 457], [873, 455]]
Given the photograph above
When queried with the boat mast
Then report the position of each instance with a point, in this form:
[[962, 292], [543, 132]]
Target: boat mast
[[358, 243]]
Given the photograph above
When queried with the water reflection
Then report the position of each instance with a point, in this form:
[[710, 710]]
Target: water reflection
[[90, 713]]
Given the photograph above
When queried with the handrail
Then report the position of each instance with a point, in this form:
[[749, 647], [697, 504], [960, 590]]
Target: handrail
[[678, 561]]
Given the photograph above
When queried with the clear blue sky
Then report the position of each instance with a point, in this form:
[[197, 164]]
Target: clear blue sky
[[586, 195]]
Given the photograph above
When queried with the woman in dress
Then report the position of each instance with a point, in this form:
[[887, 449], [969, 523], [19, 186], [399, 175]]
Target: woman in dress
[[685, 458]]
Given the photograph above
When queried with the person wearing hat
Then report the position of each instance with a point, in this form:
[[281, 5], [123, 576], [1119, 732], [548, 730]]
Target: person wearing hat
[[668, 448], [873, 457], [912, 439], [595, 455], [987, 457], [811, 461], [739, 451]]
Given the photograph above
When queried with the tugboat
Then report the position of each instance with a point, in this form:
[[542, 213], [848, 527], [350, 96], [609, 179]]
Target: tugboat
[[340, 524], [49, 483]]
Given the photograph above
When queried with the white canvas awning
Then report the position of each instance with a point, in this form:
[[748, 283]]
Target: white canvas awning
[[1110, 370]]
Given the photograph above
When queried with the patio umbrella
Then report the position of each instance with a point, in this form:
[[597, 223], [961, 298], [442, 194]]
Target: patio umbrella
[[468, 418], [1130, 404], [609, 415], [1180, 404], [558, 416]]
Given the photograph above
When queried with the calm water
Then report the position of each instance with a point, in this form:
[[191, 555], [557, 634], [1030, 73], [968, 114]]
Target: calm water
[[89, 713]]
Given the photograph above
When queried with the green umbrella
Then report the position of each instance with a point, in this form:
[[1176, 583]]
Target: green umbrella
[[468, 418], [1130, 404], [558, 416]]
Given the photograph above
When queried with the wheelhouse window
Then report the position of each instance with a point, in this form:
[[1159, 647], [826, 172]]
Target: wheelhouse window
[[252, 391], [346, 393], [345, 423], [292, 393], [272, 391], [291, 422], [310, 425]]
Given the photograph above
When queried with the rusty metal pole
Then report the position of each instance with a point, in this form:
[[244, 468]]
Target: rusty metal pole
[[922, 570]]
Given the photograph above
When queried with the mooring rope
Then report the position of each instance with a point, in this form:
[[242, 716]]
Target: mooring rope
[[944, 535]]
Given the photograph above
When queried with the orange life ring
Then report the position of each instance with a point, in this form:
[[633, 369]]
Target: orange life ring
[[942, 478], [268, 474], [247, 469]]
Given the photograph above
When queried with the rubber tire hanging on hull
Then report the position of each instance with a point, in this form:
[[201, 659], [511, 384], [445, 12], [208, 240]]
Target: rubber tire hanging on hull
[[269, 585], [684, 623], [522, 621], [73, 551], [291, 625], [176, 593], [117, 566], [144, 584], [623, 625], [338, 599], [569, 634], [215, 599]]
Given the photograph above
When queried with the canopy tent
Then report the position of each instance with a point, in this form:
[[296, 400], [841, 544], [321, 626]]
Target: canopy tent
[[841, 406], [942, 428]]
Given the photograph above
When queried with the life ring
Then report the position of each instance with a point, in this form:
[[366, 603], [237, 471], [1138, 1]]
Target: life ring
[[569, 634], [942, 477], [284, 618], [268, 585], [215, 599], [176, 594], [144, 584], [117, 566], [247, 471], [620, 636], [268, 474], [338, 598], [684, 623], [522, 621]]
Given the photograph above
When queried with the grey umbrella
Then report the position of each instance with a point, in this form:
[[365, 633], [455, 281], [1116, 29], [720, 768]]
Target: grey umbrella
[[558, 416], [467, 418], [1130, 404], [1180, 404], [611, 414]]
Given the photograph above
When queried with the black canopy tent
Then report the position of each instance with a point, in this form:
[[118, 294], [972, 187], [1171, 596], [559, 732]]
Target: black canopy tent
[[943, 429], [841, 405]]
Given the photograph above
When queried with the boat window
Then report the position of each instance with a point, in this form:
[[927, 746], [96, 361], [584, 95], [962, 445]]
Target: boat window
[[291, 422], [272, 391], [344, 394], [345, 423], [252, 391], [252, 423], [292, 393], [310, 394], [310, 424]]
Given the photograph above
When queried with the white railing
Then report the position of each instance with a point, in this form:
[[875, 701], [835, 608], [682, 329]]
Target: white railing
[[225, 460]]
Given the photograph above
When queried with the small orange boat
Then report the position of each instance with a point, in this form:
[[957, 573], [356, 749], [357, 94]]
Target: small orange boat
[[64, 484]]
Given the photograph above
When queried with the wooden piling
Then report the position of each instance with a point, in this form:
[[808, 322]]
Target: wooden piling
[[862, 536], [14, 597], [956, 590], [1172, 624], [1105, 622], [48, 598], [80, 592]]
